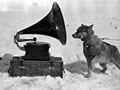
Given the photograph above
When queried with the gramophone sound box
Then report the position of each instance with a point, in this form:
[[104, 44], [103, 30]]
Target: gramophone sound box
[[37, 60]]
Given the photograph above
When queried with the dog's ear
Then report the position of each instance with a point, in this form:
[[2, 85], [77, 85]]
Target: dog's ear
[[82, 25], [91, 26], [90, 31]]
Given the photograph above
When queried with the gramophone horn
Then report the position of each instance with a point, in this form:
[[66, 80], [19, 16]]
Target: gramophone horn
[[51, 25]]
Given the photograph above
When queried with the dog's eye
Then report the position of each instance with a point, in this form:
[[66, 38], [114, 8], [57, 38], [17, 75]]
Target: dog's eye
[[81, 31], [78, 31]]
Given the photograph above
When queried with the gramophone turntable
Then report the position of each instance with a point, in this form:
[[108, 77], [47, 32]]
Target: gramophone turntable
[[37, 60]]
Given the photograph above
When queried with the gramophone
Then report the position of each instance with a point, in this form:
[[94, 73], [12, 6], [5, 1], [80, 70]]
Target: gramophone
[[51, 25], [37, 60]]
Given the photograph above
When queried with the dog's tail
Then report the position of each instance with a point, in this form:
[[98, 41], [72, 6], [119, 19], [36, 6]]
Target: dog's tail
[[116, 56]]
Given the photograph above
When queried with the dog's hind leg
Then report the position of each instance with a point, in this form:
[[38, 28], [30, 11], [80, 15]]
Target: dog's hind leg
[[103, 65], [116, 57]]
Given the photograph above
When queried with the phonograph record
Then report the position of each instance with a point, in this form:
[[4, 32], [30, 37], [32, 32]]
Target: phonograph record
[[37, 60]]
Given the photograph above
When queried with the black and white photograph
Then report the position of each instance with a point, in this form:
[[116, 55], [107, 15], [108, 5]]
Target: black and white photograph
[[59, 45]]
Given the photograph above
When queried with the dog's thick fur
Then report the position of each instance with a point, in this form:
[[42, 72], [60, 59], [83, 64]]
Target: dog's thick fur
[[96, 50]]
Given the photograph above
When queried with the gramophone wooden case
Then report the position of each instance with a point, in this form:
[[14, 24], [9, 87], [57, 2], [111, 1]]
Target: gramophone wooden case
[[20, 67]]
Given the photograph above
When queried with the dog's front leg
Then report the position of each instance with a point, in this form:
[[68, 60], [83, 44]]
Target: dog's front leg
[[89, 68]]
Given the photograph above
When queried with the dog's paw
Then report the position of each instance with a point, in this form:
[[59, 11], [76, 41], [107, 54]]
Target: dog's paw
[[103, 71], [87, 75]]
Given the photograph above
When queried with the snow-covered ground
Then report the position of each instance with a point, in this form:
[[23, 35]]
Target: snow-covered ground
[[73, 78], [70, 81]]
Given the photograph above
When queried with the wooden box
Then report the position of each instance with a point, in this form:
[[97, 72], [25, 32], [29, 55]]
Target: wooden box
[[21, 67]]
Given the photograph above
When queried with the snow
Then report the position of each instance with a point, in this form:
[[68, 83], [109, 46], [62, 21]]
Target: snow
[[70, 81], [73, 78]]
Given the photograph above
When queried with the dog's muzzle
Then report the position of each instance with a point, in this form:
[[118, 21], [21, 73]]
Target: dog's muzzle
[[74, 35]]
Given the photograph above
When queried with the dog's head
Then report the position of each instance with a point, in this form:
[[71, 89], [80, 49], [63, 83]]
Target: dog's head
[[83, 32]]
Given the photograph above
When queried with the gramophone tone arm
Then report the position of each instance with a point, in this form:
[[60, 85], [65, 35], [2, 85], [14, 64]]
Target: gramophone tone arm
[[22, 40], [17, 37], [15, 41]]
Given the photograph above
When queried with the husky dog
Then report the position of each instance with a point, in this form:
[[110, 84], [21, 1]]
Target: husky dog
[[96, 50]]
